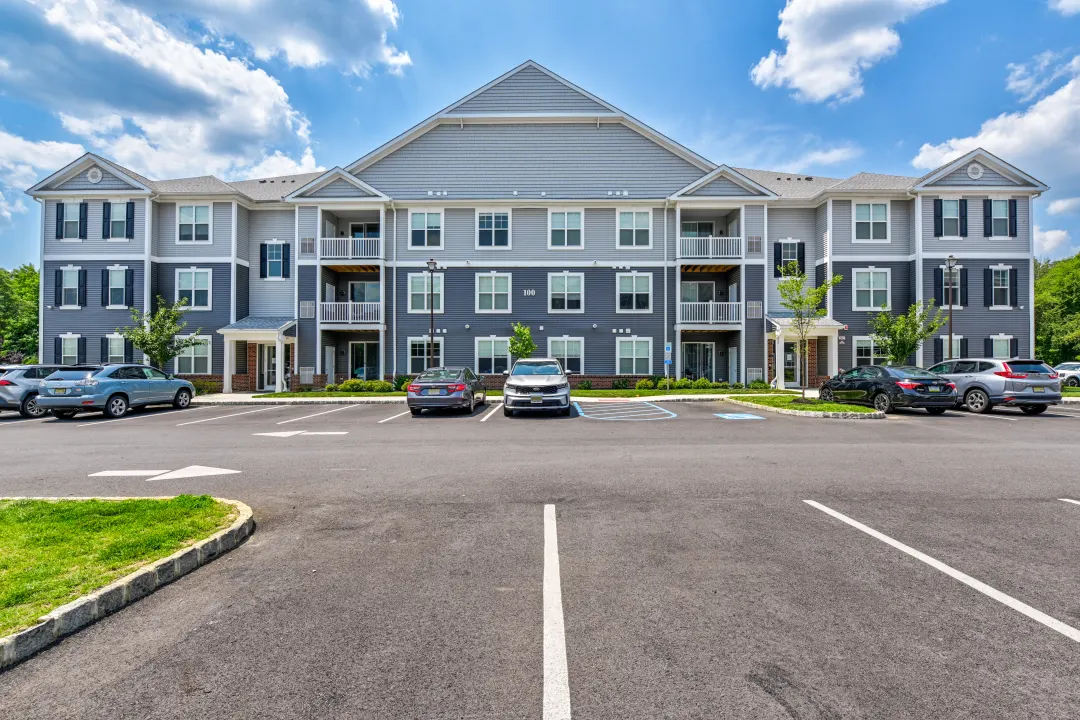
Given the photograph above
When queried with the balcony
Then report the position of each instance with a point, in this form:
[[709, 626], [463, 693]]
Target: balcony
[[710, 313], [345, 248], [350, 313], [710, 248]]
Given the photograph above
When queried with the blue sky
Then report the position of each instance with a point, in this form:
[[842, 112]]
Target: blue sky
[[831, 87]]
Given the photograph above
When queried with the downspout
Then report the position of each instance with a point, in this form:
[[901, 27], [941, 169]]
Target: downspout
[[41, 288], [667, 297], [394, 312]]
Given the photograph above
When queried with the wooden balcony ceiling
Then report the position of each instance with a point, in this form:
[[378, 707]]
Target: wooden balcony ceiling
[[354, 268], [713, 268]]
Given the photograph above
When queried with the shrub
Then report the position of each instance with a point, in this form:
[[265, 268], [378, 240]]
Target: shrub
[[665, 383], [682, 384], [720, 385], [353, 385], [402, 381], [736, 386], [331, 388], [645, 384], [620, 384], [759, 385], [585, 385], [205, 387], [702, 383], [380, 386]]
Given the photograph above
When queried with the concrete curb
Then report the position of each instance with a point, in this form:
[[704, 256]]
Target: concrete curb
[[492, 400], [79, 613], [801, 413]]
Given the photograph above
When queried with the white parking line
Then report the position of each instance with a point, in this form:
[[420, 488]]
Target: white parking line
[[127, 473], [222, 417], [1022, 608], [324, 412], [556, 680], [1074, 502], [16, 422], [986, 416], [133, 416], [489, 413], [392, 417]]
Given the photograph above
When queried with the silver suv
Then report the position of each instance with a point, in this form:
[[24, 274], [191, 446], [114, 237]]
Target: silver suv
[[1030, 385], [19, 388], [1070, 373], [536, 384]]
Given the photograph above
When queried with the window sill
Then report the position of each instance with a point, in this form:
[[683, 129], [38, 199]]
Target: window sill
[[189, 308], [194, 242], [494, 312], [873, 309], [117, 240], [422, 248], [500, 248], [116, 307], [274, 279], [70, 307], [870, 242], [633, 312], [574, 248], [71, 240], [954, 307], [633, 247], [422, 312], [1001, 307], [566, 312]]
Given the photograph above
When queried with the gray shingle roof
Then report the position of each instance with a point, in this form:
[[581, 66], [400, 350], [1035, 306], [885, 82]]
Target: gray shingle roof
[[203, 184], [274, 188], [260, 322], [789, 185], [874, 181]]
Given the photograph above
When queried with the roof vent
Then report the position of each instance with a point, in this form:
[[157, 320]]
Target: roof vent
[[262, 182], [809, 179]]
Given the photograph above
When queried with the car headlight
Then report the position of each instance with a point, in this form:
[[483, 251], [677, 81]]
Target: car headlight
[[562, 386], [509, 388]]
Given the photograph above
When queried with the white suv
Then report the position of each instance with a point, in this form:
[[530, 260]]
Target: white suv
[[536, 384]]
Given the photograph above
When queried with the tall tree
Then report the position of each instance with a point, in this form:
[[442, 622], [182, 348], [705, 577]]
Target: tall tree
[[899, 337], [806, 304], [1057, 311], [19, 314], [156, 334]]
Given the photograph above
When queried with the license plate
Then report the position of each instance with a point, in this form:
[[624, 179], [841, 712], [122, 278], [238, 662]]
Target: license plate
[[1038, 389], [536, 398], [60, 391], [434, 392], [934, 388]]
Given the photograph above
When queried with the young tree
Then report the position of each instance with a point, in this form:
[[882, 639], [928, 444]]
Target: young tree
[[155, 334], [805, 303], [19, 314], [522, 345], [899, 337]]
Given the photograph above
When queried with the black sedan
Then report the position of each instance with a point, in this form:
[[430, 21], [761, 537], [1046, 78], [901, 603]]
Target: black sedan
[[887, 387], [446, 387]]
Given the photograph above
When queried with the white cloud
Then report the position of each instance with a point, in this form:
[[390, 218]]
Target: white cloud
[[779, 147], [280, 164], [1031, 80], [831, 42], [1064, 206], [91, 126], [829, 156], [23, 162], [1066, 7], [8, 209], [1047, 241]]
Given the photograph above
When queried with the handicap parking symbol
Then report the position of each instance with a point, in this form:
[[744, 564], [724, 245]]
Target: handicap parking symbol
[[738, 416]]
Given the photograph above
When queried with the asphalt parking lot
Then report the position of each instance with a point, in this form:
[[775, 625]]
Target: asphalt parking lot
[[707, 566]]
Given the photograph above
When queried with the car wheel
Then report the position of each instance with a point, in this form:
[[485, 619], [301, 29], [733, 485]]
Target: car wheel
[[507, 411], [1072, 382], [416, 411], [883, 403], [826, 394], [116, 407], [936, 411], [483, 399], [63, 414], [30, 409], [977, 401], [182, 399], [1033, 409]]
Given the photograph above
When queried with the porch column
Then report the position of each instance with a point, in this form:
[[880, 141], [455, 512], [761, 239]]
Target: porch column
[[230, 365], [279, 353], [834, 355], [778, 354]]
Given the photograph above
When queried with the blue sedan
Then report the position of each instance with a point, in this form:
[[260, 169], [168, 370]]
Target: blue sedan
[[112, 389]]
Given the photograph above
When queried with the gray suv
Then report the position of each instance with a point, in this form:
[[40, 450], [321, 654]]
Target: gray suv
[[19, 388], [536, 384], [1030, 385], [1070, 373]]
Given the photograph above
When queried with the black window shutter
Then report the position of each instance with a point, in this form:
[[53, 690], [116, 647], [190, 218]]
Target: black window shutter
[[963, 288], [988, 218], [939, 221], [1013, 283], [262, 260], [82, 351], [1012, 218], [129, 225], [58, 290], [104, 350], [988, 347], [939, 289], [129, 288], [963, 347], [59, 220], [104, 287], [106, 219], [939, 350], [988, 287], [58, 350], [83, 211], [778, 259], [963, 218], [802, 257], [286, 252], [129, 351], [82, 288], [1014, 347]]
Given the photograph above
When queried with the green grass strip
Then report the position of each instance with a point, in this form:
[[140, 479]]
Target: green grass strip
[[813, 405]]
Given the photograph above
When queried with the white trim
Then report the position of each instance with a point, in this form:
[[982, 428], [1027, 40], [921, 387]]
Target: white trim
[[232, 285], [425, 339], [565, 209], [112, 218], [957, 237], [509, 293], [209, 292], [428, 292], [108, 359], [566, 273], [732, 175], [210, 225], [873, 351], [633, 274], [980, 255], [509, 228], [1008, 286], [855, 294], [1001, 336], [476, 353], [328, 177], [618, 227], [69, 336], [945, 341], [562, 358], [994, 162], [63, 287], [565, 262], [993, 217], [619, 340], [409, 228], [888, 220], [281, 260], [189, 352]]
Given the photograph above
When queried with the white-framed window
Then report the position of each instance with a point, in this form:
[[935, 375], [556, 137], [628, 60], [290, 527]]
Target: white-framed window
[[789, 252], [194, 285], [69, 349], [871, 289], [275, 261], [634, 229], [195, 360], [493, 230], [423, 286], [70, 289], [566, 292], [695, 228], [493, 292], [955, 347], [1001, 287], [950, 218], [307, 309], [871, 222], [117, 287], [698, 291], [115, 347], [364, 291], [950, 280], [193, 224], [364, 229], [570, 351], [634, 292], [118, 221], [492, 355], [566, 230], [754, 310], [1002, 347], [71, 219], [867, 353], [418, 354], [425, 230], [633, 356], [999, 214]]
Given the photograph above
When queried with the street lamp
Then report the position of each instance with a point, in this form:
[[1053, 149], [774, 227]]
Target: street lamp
[[431, 264], [950, 264]]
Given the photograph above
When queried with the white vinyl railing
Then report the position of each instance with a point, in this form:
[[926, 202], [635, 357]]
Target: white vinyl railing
[[710, 248], [350, 312], [350, 248], [707, 313]]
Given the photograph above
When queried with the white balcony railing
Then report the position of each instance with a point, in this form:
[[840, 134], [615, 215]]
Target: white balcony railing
[[710, 248], [355, 313], [350, 248], [711, 313]]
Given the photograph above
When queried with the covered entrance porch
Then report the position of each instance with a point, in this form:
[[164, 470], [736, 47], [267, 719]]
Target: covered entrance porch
[[259, 354], [352, 354], [787, 368]]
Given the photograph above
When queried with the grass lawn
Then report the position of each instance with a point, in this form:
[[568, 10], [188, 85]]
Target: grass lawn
[[1075, 392], [52, 552], [691, 391], [813, 405]]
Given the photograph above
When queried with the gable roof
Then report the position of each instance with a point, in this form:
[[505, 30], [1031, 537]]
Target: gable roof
[[529, 88], [330, 176], [87, 160], [987, 158], [752, 187]]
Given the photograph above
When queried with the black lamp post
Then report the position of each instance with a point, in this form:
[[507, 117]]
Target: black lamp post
[[431, 310], [950, 264]]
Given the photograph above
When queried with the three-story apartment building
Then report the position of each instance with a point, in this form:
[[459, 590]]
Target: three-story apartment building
[[538, 203]]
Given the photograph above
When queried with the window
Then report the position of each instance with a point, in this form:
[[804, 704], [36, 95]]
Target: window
[[1001, 288], [635, 292], [956, 352], [493, 229], [364, 230], [950, 218], [274, 260], [634, 229], [568, 351], [697, 229], [492, 355], [367, 291], [789, 252], [950, 282], [418, 354], [634, 356], [866, 353], [1000, 217], [698, 291], [118, 221], [193, 224], [71, 220], [871, 289], [754, 310], [493, 293], [420, 290], [872, 222], [117, 287], [194, 286], [115, 347], [307, 309], [566, 292], [69, 349], [70, 293], [565, 229], [425, 230], [195, 360], [1002, 348]]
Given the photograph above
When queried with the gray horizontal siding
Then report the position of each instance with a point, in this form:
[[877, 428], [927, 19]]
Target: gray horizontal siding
[[565, 161], [976, 241], [529, 90], [989, 178], [266, 296], [753, 225], [843, 240], [109, 181], [206, 321], [221, 237], [821, 229], [94, 244], [755, 329], [307, 221], [242, 291], [796, 223], [858, 322], [977, 322], [723, 187], [243, 221], [306, 329], [339, 188]]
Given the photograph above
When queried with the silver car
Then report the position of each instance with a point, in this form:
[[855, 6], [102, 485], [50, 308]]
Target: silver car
[[1070, 373], [1030, 385], [19, 388], [536, 384]]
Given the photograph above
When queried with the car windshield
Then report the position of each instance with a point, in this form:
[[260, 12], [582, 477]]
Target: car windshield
[[440, 375], [537, 368], [911, 372], [73, 374], [1030, 366], [1068, 366]]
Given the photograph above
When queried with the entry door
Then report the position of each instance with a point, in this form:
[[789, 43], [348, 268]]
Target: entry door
[[328, 293], [268, 365], [364, 360], [733, 364], [733, 292], [791, 364], [698, 361], [328, 362]]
